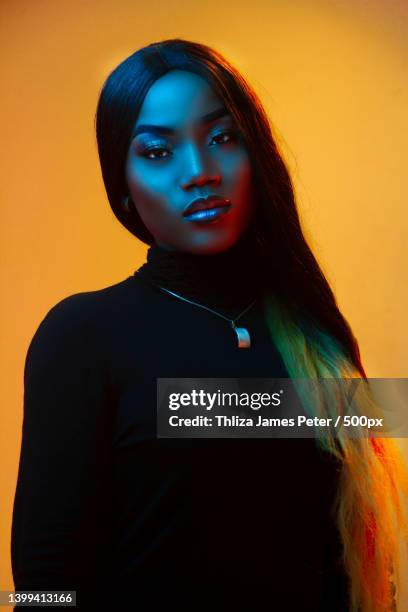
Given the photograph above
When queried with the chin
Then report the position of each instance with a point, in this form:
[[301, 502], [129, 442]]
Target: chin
[[209, 242], [213, 245]]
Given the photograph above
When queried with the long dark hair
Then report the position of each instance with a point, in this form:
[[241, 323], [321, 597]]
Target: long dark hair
[[309, 330], [296, 272]]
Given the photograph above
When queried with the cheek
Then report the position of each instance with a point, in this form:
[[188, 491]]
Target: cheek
[[150, 192], [242, 180], [145, 182], [243, 191], [237, 167]]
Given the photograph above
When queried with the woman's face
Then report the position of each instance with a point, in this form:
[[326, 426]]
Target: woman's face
[[185, 146]]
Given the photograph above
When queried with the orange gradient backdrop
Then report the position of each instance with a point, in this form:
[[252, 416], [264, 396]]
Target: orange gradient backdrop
[[333, 77]]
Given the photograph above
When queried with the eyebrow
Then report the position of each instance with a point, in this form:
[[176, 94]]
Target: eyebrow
[[164, 130]]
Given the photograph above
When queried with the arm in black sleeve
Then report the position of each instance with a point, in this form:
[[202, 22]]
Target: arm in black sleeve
[[55, 538]]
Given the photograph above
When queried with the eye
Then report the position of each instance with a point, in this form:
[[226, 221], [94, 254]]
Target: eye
[[224, 137], [155, 153]]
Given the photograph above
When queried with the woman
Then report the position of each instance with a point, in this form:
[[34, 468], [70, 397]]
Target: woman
[[127, 519]]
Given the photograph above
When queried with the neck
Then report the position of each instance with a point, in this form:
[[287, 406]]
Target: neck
[[230, 279]]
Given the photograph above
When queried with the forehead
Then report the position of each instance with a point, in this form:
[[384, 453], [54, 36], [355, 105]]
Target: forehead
[[177, 98]]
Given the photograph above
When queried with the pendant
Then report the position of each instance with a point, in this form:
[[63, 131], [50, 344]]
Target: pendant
[[244, 340]]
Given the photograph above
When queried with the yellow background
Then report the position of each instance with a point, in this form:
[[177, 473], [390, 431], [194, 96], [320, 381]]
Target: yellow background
[[333, 76]]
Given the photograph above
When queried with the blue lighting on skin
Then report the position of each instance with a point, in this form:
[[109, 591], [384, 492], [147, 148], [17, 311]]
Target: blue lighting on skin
[[185, 145]]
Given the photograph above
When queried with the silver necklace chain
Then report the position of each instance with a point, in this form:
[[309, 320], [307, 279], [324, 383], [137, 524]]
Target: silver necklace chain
[[232, 321]]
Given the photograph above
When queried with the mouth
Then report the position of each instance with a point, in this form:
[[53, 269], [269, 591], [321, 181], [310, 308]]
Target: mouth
[[208, 214], [207, 209]]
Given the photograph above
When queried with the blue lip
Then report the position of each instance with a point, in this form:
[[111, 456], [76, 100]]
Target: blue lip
[[208, 214]]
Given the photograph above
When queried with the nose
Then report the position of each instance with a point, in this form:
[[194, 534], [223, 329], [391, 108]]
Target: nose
[[199, 170]]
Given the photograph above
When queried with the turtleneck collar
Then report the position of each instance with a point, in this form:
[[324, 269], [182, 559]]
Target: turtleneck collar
[[231, 279]]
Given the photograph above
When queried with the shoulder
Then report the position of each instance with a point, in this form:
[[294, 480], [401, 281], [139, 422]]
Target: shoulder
[[78, 320], [75, 309], [86, 325], [87, 307]]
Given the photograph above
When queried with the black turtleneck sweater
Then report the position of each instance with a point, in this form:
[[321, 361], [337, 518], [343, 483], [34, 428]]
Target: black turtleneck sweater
[[131, 521]]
